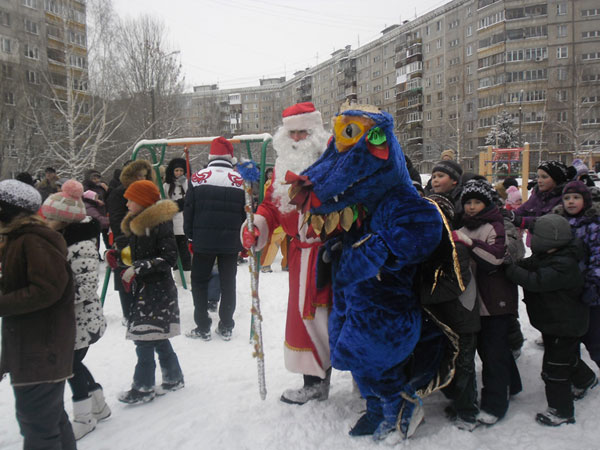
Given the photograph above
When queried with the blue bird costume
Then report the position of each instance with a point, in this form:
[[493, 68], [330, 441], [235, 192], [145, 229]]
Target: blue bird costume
[[359, 198]]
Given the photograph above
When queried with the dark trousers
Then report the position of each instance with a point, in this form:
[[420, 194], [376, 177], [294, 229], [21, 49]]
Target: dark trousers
[[500, 375], [126, 298], [561, 369], [184, 252], [463, 389], [202, 265], [82, 382], [42, 418], [143, 377], [214, 286], [591, 339]]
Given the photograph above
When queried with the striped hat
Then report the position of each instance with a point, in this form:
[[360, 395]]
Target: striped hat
[[67, 205]]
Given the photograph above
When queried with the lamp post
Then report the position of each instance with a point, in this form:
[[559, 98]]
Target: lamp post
[[521, 118]]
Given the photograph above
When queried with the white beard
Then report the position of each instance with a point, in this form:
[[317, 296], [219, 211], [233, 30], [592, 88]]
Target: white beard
[[295, 157]]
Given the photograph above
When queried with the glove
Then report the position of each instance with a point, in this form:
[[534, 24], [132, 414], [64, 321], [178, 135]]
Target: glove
[[249, 238], [128, 276], [112, 258], [506, 214], [191, 247], [459, 236]]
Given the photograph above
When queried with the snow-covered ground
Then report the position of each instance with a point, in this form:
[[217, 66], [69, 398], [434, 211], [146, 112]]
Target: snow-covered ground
[[220, 407]]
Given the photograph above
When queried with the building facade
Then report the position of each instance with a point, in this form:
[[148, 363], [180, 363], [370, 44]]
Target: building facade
[[445, 76], [43, 60]]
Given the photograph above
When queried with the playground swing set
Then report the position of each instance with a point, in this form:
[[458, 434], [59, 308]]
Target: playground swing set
[[513, 161], [157, 149]]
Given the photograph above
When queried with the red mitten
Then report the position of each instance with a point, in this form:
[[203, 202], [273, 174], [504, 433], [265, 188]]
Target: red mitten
[[112, 258], [191, 247], [127, 277], [249, 238]]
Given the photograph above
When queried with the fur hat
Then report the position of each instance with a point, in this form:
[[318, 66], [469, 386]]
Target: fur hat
[[550, 231], [578, 187], [26, 178], [175, 163], [451, 168], [301, 116], [221, 148], [67, 205], [449, 154], [478, 189], [143, 192], [513, 195], [132, 168], [556, 169], [17, 197]]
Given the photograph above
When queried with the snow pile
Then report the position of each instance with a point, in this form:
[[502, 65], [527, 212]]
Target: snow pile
[[220, 407]]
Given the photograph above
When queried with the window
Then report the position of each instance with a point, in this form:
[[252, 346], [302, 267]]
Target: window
[[31, 27], [590, 12], [562, 52], [438, 79], [427, 48], [31, 52], [453, 24], [490, 20], [4, 18], [469, 30], [560, 138], [52, 6], [428, 116], [561, 9], [470, 88], [562, 73], [453, 43], [438, 44], [77, 61], [440, 96], [9, 98], [6, 45], [469, 69], [470, 108], [32, 77], [590, 56], [561, 31], [438, 25], [561, 116], [561, 96], [469, 50], [7, 71], [30, 3], [427, 30], [428, 100], [590, 34]]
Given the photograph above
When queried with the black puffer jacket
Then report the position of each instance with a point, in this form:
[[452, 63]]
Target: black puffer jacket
[[214, 209], [553, 283]]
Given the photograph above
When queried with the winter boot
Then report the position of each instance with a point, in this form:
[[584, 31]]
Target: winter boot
[[314, 388], [197, 333], [579, 393], [551, 418], [368, 422], [134, 397], [169, 387], [100, 409], [224, 332], [83, 419], [486, 418]]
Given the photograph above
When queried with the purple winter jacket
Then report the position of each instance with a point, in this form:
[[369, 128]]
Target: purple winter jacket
[[539, 204]]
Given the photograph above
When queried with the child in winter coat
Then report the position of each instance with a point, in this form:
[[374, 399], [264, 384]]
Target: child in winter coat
[[451, 298], [552, 283], [446, 180], [175, 187], [584, 219], [38, 319], [66, 213], [483, 233], [154, 316]]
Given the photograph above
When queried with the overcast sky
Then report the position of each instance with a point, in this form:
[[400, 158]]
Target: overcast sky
[[236, 42]]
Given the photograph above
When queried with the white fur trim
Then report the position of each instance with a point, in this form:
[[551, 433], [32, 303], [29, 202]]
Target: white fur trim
[[232, 159], [306, 121]]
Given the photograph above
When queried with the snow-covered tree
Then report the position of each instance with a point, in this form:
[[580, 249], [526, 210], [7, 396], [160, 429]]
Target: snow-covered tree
[[503, 134]]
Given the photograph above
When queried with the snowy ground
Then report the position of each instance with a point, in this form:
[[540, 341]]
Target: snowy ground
[[220, 407]]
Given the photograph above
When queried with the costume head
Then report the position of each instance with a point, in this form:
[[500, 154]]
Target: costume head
[[362, 162], [578, 187], [296, 156], [17, 198], [143, 192], [67, 205], [550, 231], [556, 169], [221, 148]]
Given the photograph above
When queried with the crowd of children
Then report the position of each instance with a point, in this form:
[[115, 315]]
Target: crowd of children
[[560, 280]]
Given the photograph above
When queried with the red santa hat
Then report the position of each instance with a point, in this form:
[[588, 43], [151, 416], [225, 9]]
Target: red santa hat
[[221, 148], [301, 116]]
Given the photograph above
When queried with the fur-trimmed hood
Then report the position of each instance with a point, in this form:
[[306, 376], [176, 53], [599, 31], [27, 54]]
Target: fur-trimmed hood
[[21, 221], [32, 223], [128, 174], [139, 224]]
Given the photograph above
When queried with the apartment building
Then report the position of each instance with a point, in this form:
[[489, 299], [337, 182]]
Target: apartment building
[[43, 53], [446, 75]]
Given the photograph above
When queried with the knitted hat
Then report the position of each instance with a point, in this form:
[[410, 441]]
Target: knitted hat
[[556, 169], [578, 187], [550, 231], [513, 195], [451, 168], [18, 197], [67, 205], [580, 167], [478, 189], [301, 116], [448, 154], [221, 148], [510, 181], [444, 204], [143, 192]]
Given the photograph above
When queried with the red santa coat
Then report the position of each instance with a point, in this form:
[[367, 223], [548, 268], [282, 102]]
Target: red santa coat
[[306, 348]]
